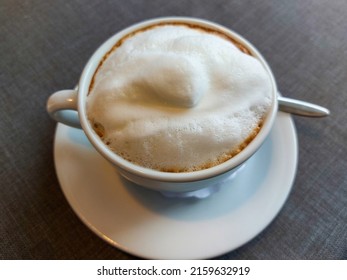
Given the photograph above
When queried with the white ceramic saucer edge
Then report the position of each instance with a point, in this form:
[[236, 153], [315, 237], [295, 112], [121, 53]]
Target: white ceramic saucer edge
[[147, 226]]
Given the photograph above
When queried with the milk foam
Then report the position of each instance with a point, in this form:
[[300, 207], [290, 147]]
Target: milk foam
[[176, 98]]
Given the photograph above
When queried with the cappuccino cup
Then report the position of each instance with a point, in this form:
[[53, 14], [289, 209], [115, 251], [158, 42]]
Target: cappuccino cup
[[175, 104]]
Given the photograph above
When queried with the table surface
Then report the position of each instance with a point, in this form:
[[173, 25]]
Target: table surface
[[44, 47]]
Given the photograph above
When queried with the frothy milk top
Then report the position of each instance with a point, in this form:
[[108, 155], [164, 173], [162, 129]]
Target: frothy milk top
[[177, 98]]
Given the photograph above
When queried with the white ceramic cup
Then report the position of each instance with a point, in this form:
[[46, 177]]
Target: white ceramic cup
[[61, 105]]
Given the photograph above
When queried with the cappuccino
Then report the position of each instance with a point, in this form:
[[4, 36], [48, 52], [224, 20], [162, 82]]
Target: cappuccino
[[178, 98]]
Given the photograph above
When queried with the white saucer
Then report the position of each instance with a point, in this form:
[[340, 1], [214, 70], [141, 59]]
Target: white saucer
[[147, 224]]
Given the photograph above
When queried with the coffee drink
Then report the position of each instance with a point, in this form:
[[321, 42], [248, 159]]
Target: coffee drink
[[177, 97]]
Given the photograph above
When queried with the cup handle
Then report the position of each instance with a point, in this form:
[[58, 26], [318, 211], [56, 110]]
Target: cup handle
[[62, 107]]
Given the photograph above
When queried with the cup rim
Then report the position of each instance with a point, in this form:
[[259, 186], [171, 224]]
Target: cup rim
[[118, 161]]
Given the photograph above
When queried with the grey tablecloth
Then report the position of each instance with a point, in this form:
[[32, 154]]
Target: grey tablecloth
[[44, 46]]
